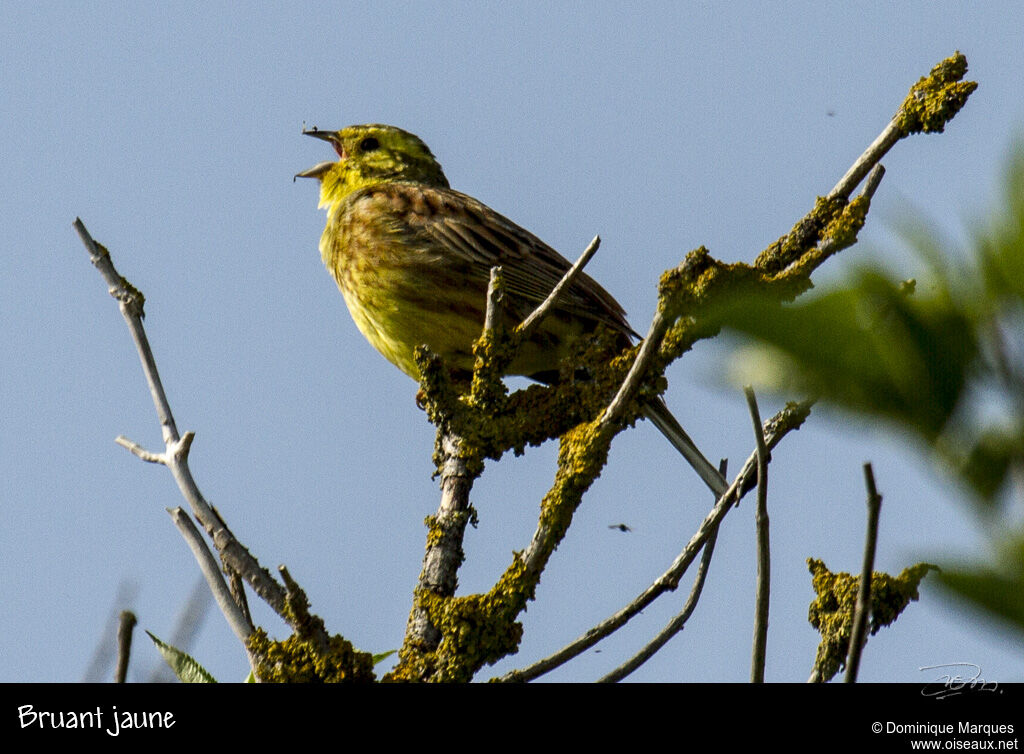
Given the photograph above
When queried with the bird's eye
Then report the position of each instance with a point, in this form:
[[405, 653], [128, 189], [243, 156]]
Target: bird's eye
[[369, 144]]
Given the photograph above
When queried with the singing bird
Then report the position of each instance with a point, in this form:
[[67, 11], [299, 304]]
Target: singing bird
[[412, 258]]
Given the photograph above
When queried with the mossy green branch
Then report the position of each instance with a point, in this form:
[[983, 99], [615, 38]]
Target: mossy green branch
[[298, 659], [476, 629], [832, 611], [803, 237], [693, 300], [480, 629], [931, 103], [694, 295], [309, 655], [490, 422], [840, 232], [936, 98]]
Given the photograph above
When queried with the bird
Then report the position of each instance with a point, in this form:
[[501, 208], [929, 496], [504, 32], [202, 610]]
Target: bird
[[412, 258]]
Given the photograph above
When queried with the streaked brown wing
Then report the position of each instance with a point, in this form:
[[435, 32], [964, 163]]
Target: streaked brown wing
[[477, 234]]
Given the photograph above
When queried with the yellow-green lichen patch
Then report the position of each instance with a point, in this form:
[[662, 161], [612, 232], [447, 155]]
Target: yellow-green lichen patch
[[936, 98], [682, 286], [493, 351], [475, 630], [803, 237], [831, 612], [299, 660], [479, 629], [843, 229], [840, 233]]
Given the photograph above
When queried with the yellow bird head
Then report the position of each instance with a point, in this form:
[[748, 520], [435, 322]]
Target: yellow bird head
[[372, 154]]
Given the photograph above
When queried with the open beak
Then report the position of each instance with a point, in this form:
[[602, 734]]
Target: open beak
[[316, 171], [331, 137], [316, 133]]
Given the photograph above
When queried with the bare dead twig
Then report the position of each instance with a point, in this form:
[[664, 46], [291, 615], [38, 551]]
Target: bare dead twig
[[175, 455], [759, 652], [858, 634], [537, 315], [125, 626], [241, 627]]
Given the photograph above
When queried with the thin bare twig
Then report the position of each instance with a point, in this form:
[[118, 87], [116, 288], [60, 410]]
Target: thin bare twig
[[776, 428], [138, 450], [105, 654], [648, 350], [867, 161], [666, 423], [761, 600], [131, 302], [675, 625], [858, 634], [874, 179], [492, 318], [175, 455], [125, 626], [211, 571], [537, 315]]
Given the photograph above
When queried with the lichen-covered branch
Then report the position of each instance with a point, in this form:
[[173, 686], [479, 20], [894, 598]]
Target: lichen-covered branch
[[465, 433], [832, 610], [585, 416], [930, 105]]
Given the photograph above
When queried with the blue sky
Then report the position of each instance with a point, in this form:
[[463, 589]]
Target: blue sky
[[173, 131]]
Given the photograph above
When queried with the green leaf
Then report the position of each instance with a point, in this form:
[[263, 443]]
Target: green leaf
[[990, 460], [184, 666], [945, 362], [872, 348], [998, 587], [1001, 247], [377, 659], [997, 594]]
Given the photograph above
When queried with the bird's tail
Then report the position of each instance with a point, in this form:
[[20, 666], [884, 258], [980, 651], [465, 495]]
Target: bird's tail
[[662, 418]]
